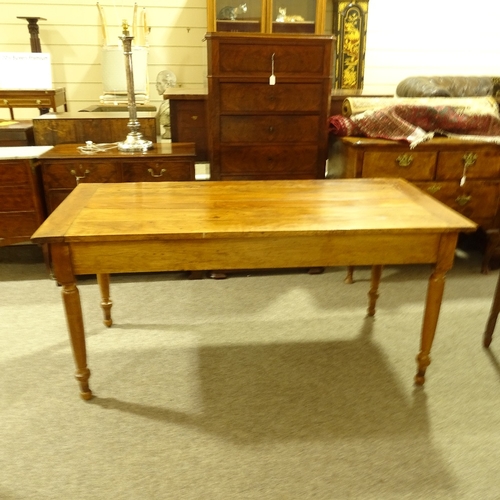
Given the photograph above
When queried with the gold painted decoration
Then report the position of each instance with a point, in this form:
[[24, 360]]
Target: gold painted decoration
[[350, 25]]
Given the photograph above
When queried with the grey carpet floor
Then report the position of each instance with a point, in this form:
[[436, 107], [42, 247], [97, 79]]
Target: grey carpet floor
[[268, 386]]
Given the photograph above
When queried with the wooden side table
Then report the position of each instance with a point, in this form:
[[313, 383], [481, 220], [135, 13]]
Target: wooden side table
[[33, 98]]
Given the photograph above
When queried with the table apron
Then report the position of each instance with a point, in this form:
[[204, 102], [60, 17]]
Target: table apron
[[253, 252]]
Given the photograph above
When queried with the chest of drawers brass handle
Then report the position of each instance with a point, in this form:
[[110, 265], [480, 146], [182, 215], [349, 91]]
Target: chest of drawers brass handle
[[151, 171], [469, 159], [404, 160], [80, 177], [463, 200], [433, 189]]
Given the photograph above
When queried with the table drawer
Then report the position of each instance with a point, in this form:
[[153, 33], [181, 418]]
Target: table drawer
[[18, 199], [18, 225], [410, 165], [270, 162], [158, 171], [480, 164], [14, 172], [477, 200], [272, 128], [251, 97], [70, 174], [191, 113], [25, 102]]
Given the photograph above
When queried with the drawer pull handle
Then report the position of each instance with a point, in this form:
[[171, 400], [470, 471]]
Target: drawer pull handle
[[271, 129], [6, 101], [194, 117], [434, 188], [469, 159], [151, 171], [463, 200], [79, 177], [405, 160], [38, 101]]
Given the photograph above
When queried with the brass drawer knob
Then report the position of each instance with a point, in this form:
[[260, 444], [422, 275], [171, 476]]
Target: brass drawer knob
[[152, 172], [405, 160], [463, 200]]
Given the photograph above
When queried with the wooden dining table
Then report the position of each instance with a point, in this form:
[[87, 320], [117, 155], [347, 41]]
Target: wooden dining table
[[175, 226]]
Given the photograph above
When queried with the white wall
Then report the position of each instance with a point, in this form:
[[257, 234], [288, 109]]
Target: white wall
[[430, 37], [72, 35], [425, 37]]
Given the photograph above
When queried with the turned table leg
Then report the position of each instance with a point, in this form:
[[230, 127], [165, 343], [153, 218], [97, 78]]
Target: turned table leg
[[373, 293], [71, 298], [492, 319], [435, 290], [106, 303]]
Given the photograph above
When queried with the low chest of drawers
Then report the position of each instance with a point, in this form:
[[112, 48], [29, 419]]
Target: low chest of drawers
[[22, 207], [464, 175], [64, 167]]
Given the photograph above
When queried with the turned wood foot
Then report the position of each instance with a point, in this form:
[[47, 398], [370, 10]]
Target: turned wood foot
[[106, 303], [373, 293], [349, 280], [423, 361], [82, 379]]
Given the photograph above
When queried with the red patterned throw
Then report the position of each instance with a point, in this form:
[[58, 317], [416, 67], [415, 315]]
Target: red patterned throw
[[416, 124]]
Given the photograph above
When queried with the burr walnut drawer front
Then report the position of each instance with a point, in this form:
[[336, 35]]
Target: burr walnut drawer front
[[288, 97], [157, 171], [477, 200], [242, 59], [70, 173], [18, 225], [13, 173], [271, 128], [16, 199], [270, 162], [477, 164], [411, 165]]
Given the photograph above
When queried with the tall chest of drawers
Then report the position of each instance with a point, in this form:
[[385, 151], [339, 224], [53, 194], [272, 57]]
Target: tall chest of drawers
[[260, 129], [63, 167], [464, 175]]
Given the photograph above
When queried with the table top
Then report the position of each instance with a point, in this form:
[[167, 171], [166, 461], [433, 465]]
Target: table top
[[246, 209], [93, 115], [69, 151]]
